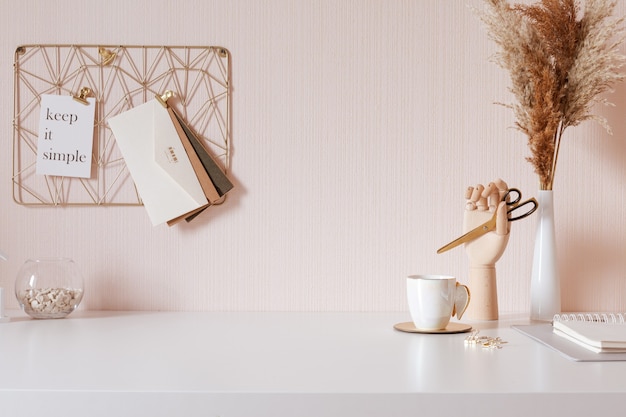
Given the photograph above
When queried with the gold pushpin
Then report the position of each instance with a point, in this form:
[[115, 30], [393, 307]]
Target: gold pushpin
[[82, 96], [164, 97], [107, 55]]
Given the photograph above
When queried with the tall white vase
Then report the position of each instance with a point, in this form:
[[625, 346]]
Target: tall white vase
[[545, 286]]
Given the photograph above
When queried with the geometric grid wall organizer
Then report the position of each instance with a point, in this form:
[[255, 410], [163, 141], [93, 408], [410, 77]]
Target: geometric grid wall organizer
[[119, 77]]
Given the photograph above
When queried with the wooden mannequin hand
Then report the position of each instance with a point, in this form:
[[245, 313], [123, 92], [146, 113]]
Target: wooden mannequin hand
[[482, 202]]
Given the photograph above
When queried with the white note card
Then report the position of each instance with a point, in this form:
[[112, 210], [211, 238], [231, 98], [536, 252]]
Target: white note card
[[65, 141]]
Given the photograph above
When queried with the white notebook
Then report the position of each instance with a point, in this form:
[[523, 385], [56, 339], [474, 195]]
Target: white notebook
[[599, 336]]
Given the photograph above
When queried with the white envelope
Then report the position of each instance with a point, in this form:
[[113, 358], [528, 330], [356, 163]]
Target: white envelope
[[157, 161]]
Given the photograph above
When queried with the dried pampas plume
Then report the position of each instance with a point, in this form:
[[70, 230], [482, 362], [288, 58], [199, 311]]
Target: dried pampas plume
[[560, 59]]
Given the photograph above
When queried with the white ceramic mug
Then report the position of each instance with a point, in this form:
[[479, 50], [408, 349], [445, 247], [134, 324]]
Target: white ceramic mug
[[434, 299]]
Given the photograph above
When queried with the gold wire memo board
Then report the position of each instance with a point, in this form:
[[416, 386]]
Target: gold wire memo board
[[119, 78]]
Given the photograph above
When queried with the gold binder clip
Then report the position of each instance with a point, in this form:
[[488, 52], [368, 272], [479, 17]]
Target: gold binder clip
[[164, 97], [82, 96], [107, 55]]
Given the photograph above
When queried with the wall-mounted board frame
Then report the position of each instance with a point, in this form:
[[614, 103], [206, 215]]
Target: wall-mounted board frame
[[119, 77]]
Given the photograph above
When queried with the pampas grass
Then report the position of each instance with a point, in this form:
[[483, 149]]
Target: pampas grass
[[560, 58]]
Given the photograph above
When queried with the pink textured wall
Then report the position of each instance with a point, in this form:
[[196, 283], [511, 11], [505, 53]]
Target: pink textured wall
[[357, 124]]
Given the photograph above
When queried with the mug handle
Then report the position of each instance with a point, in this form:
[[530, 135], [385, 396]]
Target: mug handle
[[461, 300]]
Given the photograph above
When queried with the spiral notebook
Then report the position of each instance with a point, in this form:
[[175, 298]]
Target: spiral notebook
[[583, 336], [599, 337]]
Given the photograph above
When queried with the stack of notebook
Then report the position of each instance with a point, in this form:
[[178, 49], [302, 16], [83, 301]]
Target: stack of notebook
[[600, 333]]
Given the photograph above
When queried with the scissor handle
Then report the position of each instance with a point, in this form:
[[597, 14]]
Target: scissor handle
[[527, 213], [514, 191]]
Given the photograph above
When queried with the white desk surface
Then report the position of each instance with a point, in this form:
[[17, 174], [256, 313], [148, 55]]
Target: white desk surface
[[286, 364]]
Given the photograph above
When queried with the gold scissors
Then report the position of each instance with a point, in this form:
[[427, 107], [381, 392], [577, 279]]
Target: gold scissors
[[490, 224]]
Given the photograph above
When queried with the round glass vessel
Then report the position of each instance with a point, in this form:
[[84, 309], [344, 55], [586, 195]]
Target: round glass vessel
[[49, 288]]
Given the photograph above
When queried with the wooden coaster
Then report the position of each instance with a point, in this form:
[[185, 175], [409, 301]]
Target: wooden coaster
[[409, 327]]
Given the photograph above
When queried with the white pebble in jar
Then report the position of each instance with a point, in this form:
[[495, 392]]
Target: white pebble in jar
[[50, 302]]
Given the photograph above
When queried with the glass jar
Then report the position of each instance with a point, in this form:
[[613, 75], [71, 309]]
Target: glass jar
[[49, 288]]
